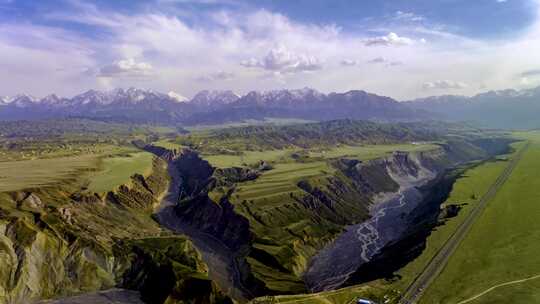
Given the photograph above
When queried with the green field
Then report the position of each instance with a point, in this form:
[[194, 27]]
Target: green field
[[246, 158], [466, 192], [250, 122], [363, 152], [366, 152], [117, 170], [18, 175], [280, 181], [501, 247], [103, 173], [168, 144]]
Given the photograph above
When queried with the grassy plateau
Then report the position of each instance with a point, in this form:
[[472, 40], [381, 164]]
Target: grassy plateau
[[117, 170], [502, 248]]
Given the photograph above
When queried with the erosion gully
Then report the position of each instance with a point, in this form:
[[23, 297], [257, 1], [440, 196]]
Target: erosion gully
[[223, 262], [394, 234]]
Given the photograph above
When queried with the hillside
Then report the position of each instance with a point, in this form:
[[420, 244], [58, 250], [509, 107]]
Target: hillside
[[321, 134]]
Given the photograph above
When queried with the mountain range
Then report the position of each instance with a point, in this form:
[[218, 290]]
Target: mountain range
[[208, 107], [496, 109]]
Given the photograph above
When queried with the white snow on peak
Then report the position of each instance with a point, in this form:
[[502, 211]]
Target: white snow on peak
[[177, 96], [208, 98]]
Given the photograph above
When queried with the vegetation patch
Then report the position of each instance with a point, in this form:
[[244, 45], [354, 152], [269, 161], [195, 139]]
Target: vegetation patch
[[502, 246], [117, 170], [17, 175]]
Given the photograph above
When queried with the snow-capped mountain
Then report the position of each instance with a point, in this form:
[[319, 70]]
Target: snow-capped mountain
[[311, 105], [500, 109], [208, 107], [214, 99], [23, 101], [54, 101], [177, 97], [92, 97], [282, 98], [118, 96]]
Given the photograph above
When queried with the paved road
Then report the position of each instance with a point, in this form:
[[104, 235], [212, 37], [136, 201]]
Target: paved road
[[437, 263]]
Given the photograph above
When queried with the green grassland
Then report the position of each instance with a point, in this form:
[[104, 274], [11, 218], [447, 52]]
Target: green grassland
[[45, 149], [77, 152], [167, 144], [246, 157], [250, 122], [280, 181], [466, 192], [367, 152], [118, 169], [324, 135], [362, 152], [104, 170], [502, 246], [29, 140], [17, 175]]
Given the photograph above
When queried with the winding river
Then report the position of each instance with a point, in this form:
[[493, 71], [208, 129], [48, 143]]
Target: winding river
[[335, 264]]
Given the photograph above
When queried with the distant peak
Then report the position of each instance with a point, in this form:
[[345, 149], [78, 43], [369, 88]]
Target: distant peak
[[24, 96], [214, 97], [177, 97]]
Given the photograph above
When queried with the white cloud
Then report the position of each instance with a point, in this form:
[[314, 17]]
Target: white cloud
[[126, 68], [525, 81], [392, 39], [443, 85], [180, 51], [386, 62], [395, 63], [408, 17], [216, 76], [348, 62], [40, 59], [282, 60], [530, 73], [377, 60]]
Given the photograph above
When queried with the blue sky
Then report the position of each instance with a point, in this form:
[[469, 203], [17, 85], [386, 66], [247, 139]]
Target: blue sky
[[400, 48]]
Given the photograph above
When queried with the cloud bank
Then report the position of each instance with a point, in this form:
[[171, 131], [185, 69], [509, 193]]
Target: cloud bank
[[408, 56]]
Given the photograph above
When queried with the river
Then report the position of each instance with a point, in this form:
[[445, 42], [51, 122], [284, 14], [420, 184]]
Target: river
[[335, 264]]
